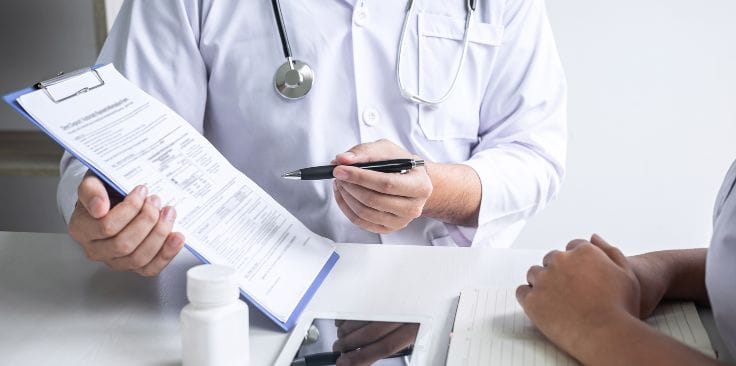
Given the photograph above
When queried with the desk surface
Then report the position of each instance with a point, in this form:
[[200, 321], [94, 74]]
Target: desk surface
[[55, 305]]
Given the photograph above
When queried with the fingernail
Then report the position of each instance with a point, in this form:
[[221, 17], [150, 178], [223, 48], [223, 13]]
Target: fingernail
[[95, 203], [141, 191], [340, 173], [169, 214], [175, 243], [155, 201]]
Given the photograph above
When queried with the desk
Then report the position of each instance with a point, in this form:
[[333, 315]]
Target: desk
[[57, 307]]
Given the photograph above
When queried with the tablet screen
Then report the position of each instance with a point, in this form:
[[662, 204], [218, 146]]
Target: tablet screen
[[361, 342]]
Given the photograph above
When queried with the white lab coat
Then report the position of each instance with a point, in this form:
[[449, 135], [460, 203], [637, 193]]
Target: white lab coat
[[213, 62]]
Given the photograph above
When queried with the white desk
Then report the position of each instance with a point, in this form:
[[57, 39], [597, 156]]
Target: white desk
[[56, 307]]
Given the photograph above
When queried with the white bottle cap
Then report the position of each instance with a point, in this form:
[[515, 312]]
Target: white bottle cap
[[211, 284]]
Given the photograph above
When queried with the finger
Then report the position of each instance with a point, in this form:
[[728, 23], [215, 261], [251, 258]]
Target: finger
[[396, 205], [92, 194], [549, 258], [364, 336], [350, 326], [612, 252], [118, 217], [392, 343], [366, 152], [533, 274], [150, 246], [372, 215], [130, 237], [575, 243], [378, 229], [411, 184], [521, 293], [172, 246]]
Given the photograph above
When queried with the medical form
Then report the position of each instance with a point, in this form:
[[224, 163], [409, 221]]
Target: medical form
[[128, 138]]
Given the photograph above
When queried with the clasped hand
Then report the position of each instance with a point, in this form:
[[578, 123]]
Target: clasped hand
[[375, 201]]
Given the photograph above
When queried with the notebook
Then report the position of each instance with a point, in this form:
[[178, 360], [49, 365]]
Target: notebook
[[492, 329]]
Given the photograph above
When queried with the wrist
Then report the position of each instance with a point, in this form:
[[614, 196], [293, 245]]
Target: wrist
[[605, 340], [660, 263], [456, 194]]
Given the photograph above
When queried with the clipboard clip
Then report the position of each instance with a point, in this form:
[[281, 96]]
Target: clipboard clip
[[62, 77]]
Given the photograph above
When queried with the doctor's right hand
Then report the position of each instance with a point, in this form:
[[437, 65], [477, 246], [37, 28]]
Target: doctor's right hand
[[130, 235]]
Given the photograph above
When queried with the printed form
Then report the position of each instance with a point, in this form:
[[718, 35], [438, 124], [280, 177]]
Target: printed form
[[492, 329], [130, 138]]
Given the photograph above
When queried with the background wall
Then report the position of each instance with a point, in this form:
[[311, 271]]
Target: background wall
[[652, 120], [38, 38]]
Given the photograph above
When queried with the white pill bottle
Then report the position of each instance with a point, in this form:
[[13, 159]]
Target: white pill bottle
[[214, 325]]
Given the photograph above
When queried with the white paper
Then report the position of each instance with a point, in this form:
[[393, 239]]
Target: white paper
[[133, 139], [492, 329]]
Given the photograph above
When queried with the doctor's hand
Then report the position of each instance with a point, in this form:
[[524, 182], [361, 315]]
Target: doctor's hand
[[576, 294], [365, 342], [130, 234], [375, 201]]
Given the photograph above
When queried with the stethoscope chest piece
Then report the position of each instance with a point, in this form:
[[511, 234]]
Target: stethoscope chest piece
[[293, 79]]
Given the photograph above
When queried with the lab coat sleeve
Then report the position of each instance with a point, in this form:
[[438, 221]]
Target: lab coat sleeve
[[521, 151], [155, 44]]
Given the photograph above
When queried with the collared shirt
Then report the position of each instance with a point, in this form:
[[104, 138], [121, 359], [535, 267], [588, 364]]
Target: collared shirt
[[720, 269], [213, 62]]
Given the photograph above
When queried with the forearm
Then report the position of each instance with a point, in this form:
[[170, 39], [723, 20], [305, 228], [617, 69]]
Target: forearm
[[456, 194], [629, 341], [684, 273]]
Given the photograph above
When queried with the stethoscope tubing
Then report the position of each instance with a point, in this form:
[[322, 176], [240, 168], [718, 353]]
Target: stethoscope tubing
[[308, 75]]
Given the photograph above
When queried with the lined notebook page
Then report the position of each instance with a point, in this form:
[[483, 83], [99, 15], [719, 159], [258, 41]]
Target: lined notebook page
[[492, 329]]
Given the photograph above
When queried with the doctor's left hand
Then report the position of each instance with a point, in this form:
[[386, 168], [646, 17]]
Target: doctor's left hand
[[375, 201]]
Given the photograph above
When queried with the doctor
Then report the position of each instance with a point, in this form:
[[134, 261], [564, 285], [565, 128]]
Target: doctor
[[477, 91]]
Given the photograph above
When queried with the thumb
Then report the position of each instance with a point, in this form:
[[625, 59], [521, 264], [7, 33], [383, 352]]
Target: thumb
[[364, 153], [93, 196], [611, 251]]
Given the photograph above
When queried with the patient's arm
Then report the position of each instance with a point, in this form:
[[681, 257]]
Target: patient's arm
[[670, 275]]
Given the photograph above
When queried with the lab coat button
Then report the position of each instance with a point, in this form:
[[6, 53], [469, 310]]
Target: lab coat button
[[371, 116], [360, 17]]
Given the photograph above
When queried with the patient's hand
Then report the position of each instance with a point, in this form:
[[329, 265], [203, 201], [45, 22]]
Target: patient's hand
[[365, 342], [579, 292]]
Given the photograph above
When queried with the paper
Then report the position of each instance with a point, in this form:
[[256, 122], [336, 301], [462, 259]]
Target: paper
[[492, 329], [128, 137]]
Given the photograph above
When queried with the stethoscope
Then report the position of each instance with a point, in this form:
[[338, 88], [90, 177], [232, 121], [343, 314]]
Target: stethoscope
[[294, 78]]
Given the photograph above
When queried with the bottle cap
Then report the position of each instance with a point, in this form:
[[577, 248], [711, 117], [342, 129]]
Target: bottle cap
[[211, 284]]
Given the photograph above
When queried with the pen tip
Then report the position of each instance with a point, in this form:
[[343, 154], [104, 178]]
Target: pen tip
[[296, 174]]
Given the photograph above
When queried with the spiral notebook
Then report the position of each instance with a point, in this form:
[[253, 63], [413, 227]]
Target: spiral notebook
[[492, 329]]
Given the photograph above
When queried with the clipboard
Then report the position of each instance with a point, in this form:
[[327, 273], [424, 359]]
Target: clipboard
[[98, 82]]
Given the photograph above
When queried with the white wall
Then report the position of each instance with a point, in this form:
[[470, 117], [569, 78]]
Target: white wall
[[652, 120]]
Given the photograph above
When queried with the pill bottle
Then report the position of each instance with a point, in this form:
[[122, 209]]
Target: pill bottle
[[214, 325]]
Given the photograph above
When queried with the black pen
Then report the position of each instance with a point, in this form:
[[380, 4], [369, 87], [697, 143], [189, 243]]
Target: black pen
[[330, 358], [325, 171]]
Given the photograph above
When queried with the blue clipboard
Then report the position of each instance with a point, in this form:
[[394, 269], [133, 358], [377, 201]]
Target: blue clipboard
[[11, 99]]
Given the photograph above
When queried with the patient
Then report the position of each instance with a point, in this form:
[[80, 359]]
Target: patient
[[588, 299]]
